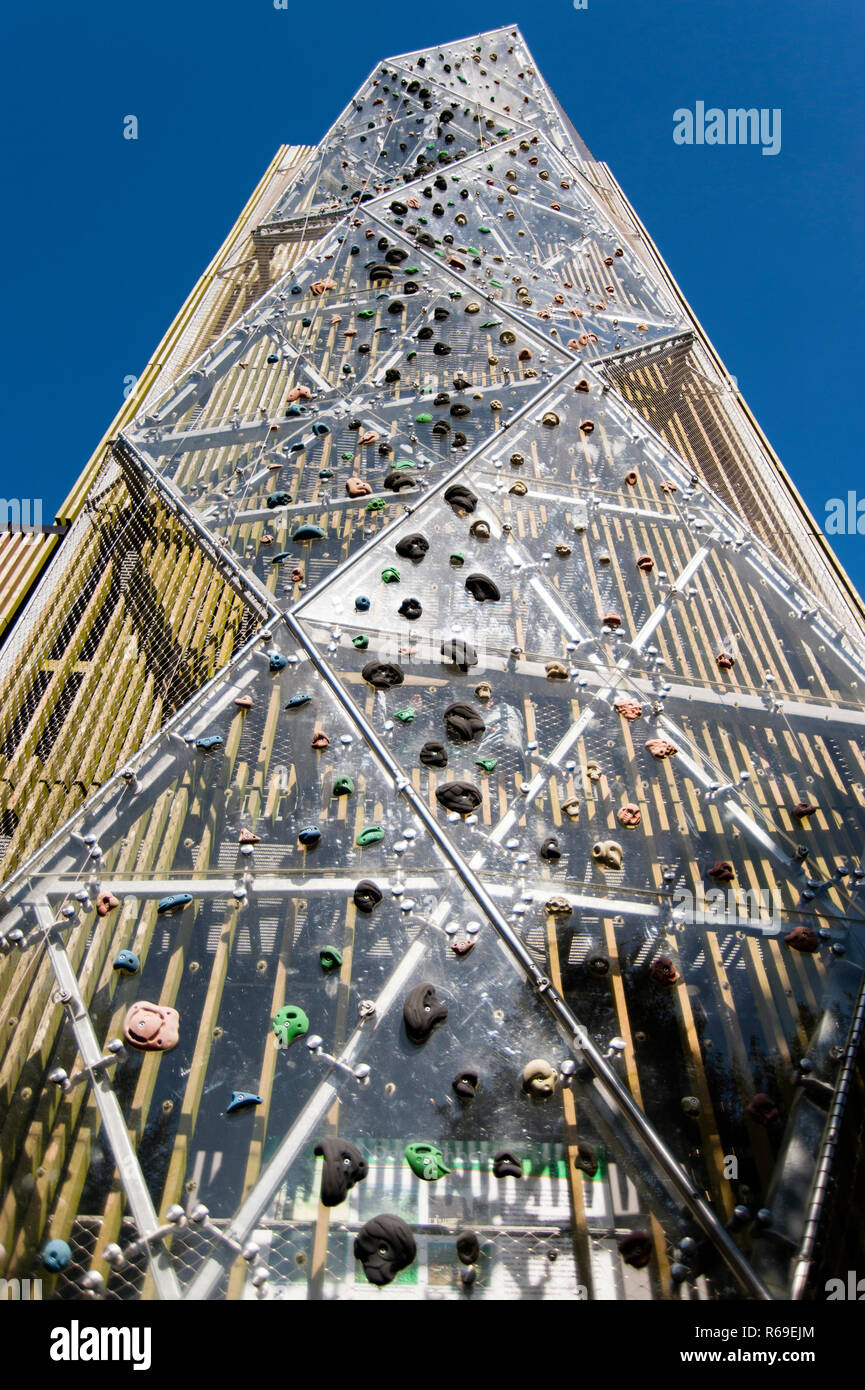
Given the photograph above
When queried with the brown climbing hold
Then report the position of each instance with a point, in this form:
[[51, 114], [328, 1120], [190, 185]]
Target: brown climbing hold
[[661, 748], [105, 903], [243, 702], [296, 576], [645, 563], [550, 419], [571, 807], [319, 286], [558, 907], [587, 426], [636, 1249], [803, 939], [480, 530], [248, 837], [802, 810], [356, 487], [629, 815], [556, 671], [320, 740], [608, 853], [631, 478], [298, 393], [582, 385], [667, 486], [628, 709], [725, 660], [721, 871], [663, 971], [151, 1027], [611, 620]]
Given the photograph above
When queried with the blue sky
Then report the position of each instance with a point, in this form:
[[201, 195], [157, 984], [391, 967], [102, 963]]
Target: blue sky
[[104, 237]]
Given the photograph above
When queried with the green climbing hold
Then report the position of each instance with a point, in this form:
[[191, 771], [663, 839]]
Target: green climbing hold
[[390, 576], [347, 458], [410, 356], [457, 558], [366, 314], [488, 764], [343, 786], [375, 504], [426, 1161], [405, 716], [330, 957], [361, 642], [472, 251], [423, 419], [411, 270], [492, 323], [290, 1022], [406, 463], [370, 835], [484, 229]]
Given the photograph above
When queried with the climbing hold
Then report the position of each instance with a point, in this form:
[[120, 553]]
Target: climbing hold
[[593, 771], [550, 419], [482, 589], [289, 1023], [344, 1165], [563, 550], [277, 662], [422, 1011], [556, 671], [309, 835], [105, 903], [557, 907], [484, 691], [405, 716], [384, 1246], [629, 815], [174, 903], [518, 489], [628, 709], [55, 1256], [127, 962], [308, 533], [330, 958], [480, 530], [463, 722], [390, 575], [571, 807], [550, 849], [586, 1159], [320, 740], [455, 652], [370, 835], [725, 661], [661, 748], [413, 547], [691, 1106], [242, 1100], [611, 620], [587, 426], [636, 1249], [466, 1083], [631, 478], [151, 1027], [243, 703], [539, 1078], [433, 755], [582, 385], [598, 965], [208, 743], [721, 871], [645, 563], [506, 1165], [663, 971], [459, 796], [248, 837], [762, 1110], [802, 810], [356, 487], [457, 558], [362, 604], [398, 480], [367, 895], [279, 499], [361, 642], [468, 1247], [803, 939], [297, 701], [410, 608], [608, 853], [426, 1161], [383, 675], [343, 786], [462, 499]]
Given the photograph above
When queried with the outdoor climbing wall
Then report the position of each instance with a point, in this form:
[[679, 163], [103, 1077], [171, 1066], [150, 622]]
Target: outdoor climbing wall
[[485, 922]]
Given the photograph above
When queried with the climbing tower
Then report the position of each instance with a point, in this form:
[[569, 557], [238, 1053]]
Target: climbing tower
[[432, 774]]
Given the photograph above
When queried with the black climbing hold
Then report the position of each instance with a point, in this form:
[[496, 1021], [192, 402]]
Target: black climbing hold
[[461, 498], [636, 1249], [413, 547], [460, 411], [279, 499], [399, 478], [463, 722], [433, 755], [424, 334], [440, 314], [384, 675], [444, 350], [550, 848], [483, 589], [468, 1247], [422, 1010], [459, 796], [307, 533], [367, 895], [586, 1159], [344, 1165], [391, 375], [506, 1165], [455, 652], [384, 1246], [465, 1084], [410, 608]]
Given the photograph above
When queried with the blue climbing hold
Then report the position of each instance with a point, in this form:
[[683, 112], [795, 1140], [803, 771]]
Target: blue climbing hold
[[56, 1255], [297, 700], [309, 835], [278, 559], [276, 661], [279, 499], [127, 962], [208, 742], [320, 429], [361, 603], [272, 357], [174, 903], [308, 533], [241, 1100]]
